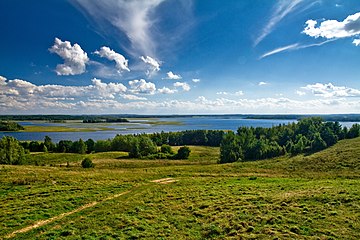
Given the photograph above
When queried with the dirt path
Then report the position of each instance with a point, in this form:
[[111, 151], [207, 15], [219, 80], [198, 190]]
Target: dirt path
[[164, 180], [45, 222], [89, 205]]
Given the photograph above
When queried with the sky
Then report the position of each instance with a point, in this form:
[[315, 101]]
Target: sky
[[179, 56]]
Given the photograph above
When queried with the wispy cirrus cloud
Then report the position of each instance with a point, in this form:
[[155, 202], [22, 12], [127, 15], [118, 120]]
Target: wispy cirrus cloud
[[137, 25], [135, 19], [292, 47], [280, 11]]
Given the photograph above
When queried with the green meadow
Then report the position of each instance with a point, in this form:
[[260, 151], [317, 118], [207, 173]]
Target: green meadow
[[303, 197]]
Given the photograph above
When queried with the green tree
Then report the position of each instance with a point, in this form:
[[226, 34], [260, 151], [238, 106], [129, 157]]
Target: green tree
[[183, 153], [230, 149], [147, 146], [90, 145], [102, 146], [318, 143], [354, 131], [50, 146], [11, 152], [134, 148]]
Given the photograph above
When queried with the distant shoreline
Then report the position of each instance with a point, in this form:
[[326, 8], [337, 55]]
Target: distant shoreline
[[326, 117]]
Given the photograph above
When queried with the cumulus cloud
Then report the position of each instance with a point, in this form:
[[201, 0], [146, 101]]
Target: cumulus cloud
[[356, 42], [108, 90], [238, 93], [75, 59], [2, 80], [154, 65], [20, 96], [300, 93], [172, 76], [121, 62], [186, 87], [262, 83], [330, 91], [132, 97], [166, 90], [330, 29], [196, 80], [141, 86]]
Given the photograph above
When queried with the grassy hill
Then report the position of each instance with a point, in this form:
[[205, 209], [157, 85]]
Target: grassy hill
[[301, 197]]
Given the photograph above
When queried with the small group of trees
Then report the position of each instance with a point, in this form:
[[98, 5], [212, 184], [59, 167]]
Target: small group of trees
[[307, 135], [107, 120], [10, 126], [63, 146], [11, 152]]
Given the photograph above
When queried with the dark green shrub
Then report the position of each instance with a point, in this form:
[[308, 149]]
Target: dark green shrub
[[183, 153], [165, 148], [87, 163]]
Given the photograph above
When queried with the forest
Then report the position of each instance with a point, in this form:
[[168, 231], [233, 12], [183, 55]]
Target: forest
[[306, 136]]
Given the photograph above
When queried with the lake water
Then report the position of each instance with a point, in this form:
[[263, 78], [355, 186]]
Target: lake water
[[146, 126]]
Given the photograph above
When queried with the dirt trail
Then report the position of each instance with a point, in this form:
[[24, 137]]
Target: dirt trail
[[164, 180], [89, 205], [45, 222]]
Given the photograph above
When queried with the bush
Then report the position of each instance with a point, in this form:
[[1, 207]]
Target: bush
[[87, 163], [165, 148], [183, 153]]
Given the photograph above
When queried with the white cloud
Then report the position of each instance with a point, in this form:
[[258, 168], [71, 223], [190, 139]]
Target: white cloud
[[356, 42], [19, 96], [196, 80], [154, 65], [166, 90], [262, 83], [292, 47], [141, 86], [2, 80], [330, 91], [280, 11], [75, 59], [135, 19], [108, 90], [278, 50], [300, 93], [330, 29], [121, 62], [170, 75], [238, 93], [137, 25], [183, 85], [132, 97]]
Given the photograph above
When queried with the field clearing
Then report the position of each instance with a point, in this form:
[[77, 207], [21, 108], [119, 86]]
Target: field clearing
[[303, 197]]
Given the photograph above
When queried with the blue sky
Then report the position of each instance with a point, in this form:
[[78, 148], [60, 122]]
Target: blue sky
[[179, 57]]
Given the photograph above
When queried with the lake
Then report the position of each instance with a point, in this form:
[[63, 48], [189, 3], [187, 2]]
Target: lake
[[145, 126]]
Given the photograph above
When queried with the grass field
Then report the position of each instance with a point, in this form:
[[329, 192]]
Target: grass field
[[302, 197]]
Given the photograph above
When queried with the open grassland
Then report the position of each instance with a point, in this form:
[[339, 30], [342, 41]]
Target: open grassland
[[302, 197]]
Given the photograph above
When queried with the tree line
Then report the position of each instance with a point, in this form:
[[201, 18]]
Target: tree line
[[306, 136], [10, 126]]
